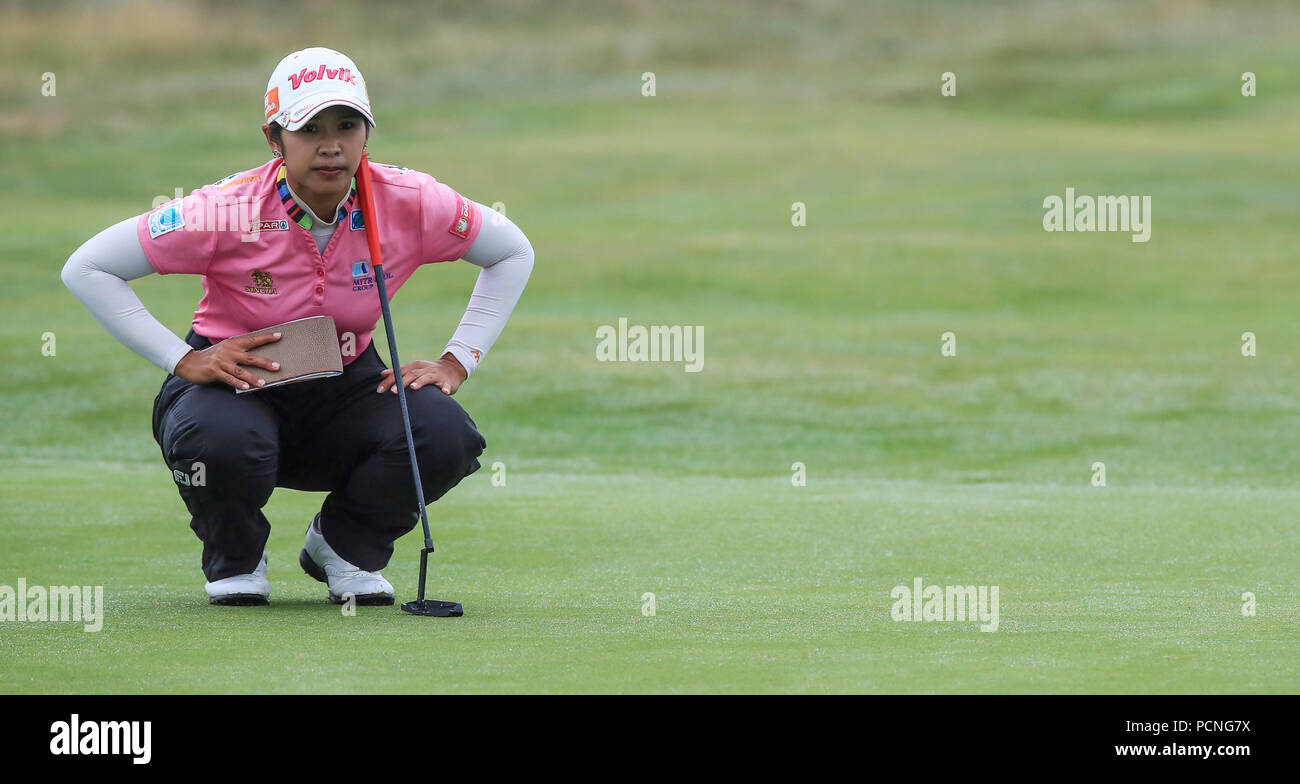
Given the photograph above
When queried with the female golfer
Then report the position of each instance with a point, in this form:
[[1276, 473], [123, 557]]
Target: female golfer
[[284, 241]]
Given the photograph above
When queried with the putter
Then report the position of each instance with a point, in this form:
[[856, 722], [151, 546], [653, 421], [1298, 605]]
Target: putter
[[435, 608]]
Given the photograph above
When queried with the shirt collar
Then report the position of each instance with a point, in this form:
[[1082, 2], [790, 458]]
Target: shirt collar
[[302, 216]]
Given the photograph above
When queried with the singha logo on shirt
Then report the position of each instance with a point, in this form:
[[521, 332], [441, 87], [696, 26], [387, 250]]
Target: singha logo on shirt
[[263, 283]]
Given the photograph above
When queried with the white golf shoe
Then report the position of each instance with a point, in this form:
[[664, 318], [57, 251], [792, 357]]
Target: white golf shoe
[[320, 561], [242, 589]]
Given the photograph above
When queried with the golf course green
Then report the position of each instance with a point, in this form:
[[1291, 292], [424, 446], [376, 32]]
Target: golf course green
[[827, 450]]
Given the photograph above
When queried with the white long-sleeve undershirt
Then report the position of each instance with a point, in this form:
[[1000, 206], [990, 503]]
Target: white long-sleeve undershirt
[[98, 271]]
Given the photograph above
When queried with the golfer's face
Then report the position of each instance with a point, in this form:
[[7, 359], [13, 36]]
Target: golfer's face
[[323, 155]]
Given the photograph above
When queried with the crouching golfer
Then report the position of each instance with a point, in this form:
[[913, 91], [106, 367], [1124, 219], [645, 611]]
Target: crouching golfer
[[304, 253]]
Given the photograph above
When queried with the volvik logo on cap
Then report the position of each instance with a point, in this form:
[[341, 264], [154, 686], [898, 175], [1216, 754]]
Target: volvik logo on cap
[[321, 72]]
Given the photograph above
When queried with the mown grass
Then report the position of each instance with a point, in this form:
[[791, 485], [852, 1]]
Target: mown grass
[[821, 346]]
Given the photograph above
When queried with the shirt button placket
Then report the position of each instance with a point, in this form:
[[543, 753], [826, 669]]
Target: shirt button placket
[[320, 277]]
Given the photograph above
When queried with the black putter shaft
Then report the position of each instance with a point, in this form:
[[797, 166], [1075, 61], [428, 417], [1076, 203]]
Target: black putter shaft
[[421, 606], [406, 414]]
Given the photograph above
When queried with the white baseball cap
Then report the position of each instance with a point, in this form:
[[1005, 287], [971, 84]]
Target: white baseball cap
[[310, 80]]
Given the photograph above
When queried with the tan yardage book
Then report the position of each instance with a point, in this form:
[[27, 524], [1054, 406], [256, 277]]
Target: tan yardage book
[[308, 349]]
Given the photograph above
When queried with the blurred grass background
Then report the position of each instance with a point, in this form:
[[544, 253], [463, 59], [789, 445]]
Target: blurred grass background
[[821, 342]]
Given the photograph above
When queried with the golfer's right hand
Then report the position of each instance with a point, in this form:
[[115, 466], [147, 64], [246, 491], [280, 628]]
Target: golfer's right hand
[[225, 362]]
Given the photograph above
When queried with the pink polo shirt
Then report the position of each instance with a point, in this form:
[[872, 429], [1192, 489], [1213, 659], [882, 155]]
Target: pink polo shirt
[[260, 266]]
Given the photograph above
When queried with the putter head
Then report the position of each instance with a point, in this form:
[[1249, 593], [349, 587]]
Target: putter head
[[434, 608]]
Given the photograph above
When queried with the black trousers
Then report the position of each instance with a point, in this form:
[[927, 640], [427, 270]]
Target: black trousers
[[227, 452]]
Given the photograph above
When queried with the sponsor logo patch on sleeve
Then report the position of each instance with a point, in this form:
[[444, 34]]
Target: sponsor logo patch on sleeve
[[164, 219], [460, 225]]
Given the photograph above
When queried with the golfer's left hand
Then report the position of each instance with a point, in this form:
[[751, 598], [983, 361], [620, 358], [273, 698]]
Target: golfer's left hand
[[447, 374]]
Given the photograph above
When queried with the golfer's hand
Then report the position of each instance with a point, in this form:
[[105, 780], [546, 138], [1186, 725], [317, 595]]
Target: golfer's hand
[[447, 374], [225, 362]]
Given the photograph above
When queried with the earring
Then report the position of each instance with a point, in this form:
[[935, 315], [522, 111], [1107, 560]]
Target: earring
[[276, 154]]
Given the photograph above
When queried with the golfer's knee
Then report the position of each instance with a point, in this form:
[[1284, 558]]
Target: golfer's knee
[[449, 443]]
